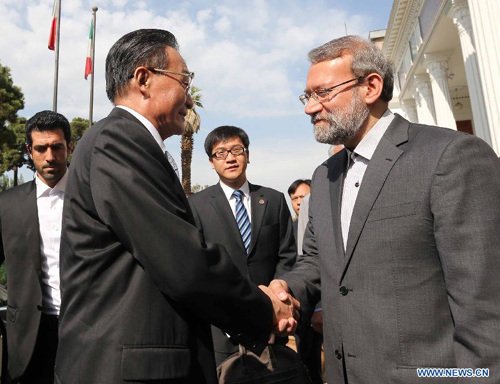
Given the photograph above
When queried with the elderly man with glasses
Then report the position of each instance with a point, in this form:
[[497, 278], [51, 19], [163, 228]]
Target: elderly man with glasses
[[139, 288], [252, 222]]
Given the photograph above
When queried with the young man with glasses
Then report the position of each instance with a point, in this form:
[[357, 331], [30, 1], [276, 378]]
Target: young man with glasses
[[252, 222]]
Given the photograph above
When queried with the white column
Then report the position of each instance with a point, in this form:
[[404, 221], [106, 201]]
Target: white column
[[423, 97], [485, 16], [410, 109], [437, 68], [460, 14]]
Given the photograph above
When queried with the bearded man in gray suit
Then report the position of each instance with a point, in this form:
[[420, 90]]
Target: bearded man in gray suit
[[403, 238]]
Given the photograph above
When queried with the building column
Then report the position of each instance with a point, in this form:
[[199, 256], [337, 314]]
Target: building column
[[485, 15], [423, 97], [460, 14], [437, 68], [410, 109]]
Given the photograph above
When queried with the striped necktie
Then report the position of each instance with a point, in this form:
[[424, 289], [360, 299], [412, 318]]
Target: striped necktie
[[242, 219], [173, 164]]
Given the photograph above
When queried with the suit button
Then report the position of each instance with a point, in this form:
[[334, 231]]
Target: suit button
[[338, 355], [249, 263], [343, 290]]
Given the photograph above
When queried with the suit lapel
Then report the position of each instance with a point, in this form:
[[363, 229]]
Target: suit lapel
[[29, 216], [223, 209], [177, 187], [379, 167], [259, 204], [336, 172]]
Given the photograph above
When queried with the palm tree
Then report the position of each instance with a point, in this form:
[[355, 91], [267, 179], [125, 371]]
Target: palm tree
[[191, 126]]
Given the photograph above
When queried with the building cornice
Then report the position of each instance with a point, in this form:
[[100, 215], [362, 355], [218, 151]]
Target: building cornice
[[404, 16]]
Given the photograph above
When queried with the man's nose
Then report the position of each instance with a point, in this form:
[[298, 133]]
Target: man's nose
[[232, 158], [313, 106], [189, 101], [49, 155]]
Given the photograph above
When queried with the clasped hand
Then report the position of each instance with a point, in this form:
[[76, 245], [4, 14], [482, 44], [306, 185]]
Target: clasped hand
[[286, 308]]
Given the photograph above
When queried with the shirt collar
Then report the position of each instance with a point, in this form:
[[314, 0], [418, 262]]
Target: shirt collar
[[149, 126], [42, 188], [366, 147], [228, 191]]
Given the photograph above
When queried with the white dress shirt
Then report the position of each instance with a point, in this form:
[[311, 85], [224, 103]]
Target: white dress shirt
[[49, 203], [245, 188], [357, 162]]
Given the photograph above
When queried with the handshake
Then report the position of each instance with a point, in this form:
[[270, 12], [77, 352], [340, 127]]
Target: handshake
[[286, 308]]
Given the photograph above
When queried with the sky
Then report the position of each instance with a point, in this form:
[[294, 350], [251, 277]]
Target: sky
[[249, 57]]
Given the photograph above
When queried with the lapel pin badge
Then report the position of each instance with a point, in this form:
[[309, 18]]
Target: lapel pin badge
[[261, 201]]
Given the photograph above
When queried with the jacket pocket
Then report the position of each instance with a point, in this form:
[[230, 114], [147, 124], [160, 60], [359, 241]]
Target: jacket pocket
[[154, 362], [391, 212]]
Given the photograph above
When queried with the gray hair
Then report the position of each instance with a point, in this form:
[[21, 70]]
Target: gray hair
[[366, 58]]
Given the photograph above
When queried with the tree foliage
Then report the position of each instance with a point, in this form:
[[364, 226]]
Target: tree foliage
[[78, 126], [199, 188], [11, 97], [191, 126], [11, 101], [6, 183], [12, 143]]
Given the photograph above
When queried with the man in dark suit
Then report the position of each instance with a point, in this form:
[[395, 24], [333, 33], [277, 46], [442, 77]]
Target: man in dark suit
[[403, 232], [30, 225], [139, 289], [271, 246]]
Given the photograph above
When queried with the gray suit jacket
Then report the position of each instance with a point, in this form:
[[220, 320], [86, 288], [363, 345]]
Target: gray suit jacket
[[20, 248], [139, 289], [418, 284]]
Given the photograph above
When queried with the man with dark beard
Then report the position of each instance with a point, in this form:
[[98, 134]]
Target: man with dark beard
[[403, 238]]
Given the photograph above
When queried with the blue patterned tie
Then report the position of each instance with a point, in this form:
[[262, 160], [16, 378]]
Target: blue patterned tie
[[242, 219]]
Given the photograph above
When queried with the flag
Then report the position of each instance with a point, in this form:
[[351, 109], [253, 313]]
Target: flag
[[53, 26], [88, 64]]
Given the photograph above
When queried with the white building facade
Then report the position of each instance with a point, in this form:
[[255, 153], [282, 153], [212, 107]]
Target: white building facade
[[446, 56]]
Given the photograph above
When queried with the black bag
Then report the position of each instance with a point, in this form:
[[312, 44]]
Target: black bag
[[276, 364]]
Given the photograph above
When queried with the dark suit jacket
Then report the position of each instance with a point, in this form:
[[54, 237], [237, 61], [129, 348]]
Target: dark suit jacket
[[418, 284], [139, 289], [272, 248], [20, 248]]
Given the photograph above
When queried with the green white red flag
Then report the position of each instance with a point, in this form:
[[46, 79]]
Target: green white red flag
[[53, 26], [89, 66]]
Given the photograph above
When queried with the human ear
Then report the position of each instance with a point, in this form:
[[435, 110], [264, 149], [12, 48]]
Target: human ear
[[372, 88]]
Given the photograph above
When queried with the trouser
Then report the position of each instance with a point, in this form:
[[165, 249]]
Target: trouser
[[309, 344], [40, 369]]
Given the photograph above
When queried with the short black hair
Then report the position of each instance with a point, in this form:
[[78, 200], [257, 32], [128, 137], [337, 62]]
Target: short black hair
[[224, 133], [293, 187], [142, 47], [47, 121]]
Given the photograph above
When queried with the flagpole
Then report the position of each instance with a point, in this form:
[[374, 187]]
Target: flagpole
[[91, 107], [56, 69]]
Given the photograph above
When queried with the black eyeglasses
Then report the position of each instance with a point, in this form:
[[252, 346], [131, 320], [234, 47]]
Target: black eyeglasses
[[222, 154], [322, 95]]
